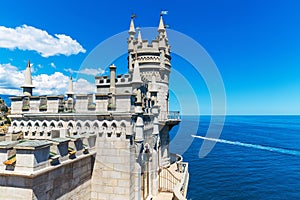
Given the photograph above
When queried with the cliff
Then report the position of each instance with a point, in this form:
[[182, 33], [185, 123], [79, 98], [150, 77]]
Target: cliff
[[4, 120]]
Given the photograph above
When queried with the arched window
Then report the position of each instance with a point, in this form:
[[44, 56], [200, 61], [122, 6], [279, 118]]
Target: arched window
[[96, 127], [52, 125], [87, 127], [60, 125]]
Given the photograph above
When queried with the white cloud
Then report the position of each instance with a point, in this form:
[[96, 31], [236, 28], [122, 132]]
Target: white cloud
[[30, 38], [53, 65], [82, 86], [87, 71], [11, 79], [54, 84]]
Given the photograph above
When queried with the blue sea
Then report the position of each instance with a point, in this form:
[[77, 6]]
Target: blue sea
[[233, 170]]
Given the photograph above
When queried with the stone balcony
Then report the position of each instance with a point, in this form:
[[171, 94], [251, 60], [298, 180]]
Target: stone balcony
[[171, 118]]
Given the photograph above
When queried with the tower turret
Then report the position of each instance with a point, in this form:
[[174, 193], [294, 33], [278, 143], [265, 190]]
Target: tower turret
[[150, 62], [162, 37], [27, 86], [112, 86], [130, 42], [70, 91], [136, 76], [139, 38]]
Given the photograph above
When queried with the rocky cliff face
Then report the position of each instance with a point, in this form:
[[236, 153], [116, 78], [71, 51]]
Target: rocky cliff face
[[4, 120]]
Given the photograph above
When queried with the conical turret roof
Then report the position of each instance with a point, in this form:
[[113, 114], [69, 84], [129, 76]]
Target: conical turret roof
[[161, 26], [136, 76], [27, 78], [139, 38], [131, 28]]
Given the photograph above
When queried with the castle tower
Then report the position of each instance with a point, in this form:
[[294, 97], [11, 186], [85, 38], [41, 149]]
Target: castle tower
[[27, 86], [153, 61]]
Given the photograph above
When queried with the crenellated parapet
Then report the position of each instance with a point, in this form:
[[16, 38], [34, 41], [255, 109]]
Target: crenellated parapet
[[30, 156], [37, 104], [104, 81]]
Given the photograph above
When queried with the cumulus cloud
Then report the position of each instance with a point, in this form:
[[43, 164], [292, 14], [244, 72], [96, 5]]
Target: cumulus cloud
[[56, 83], [86, 71], [53, 84], [82, 86], [30, 38], [11, 79]]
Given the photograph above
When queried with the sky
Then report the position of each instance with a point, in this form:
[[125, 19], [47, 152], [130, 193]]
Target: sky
[[255, 46]]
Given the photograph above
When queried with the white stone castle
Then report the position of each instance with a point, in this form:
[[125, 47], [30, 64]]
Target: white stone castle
[[110, 145]]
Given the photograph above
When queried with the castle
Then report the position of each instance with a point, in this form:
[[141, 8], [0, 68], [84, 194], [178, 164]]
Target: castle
[[113, 144]]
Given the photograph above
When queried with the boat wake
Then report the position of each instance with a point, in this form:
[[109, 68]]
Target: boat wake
[[255, 146]]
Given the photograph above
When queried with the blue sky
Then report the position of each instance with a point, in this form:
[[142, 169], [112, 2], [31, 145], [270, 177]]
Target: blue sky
[[255, 45]]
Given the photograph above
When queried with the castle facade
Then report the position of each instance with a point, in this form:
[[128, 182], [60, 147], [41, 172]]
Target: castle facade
[[113, 144]]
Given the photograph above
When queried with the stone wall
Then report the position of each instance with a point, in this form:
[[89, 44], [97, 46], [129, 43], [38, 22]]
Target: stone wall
[[114, 168], [70, 180]]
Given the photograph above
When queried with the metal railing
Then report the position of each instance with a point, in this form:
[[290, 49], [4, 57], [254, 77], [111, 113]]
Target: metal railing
[[171, 115], [167, 180], [174, 115], [180, 189]]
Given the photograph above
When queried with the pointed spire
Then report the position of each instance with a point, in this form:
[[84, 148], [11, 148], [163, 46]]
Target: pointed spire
[[136, 76], [70, 88], [131, 28], [27, 86], [139, 38], [161, 27], [28, 78]]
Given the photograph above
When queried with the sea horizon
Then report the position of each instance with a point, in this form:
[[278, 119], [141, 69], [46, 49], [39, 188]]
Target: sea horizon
[[257, 158]]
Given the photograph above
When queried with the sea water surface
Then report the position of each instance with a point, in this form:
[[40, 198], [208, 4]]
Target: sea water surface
[[256, 157]]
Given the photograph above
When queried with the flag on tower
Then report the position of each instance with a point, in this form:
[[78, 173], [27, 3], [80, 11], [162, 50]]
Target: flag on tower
[[164, 12]]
